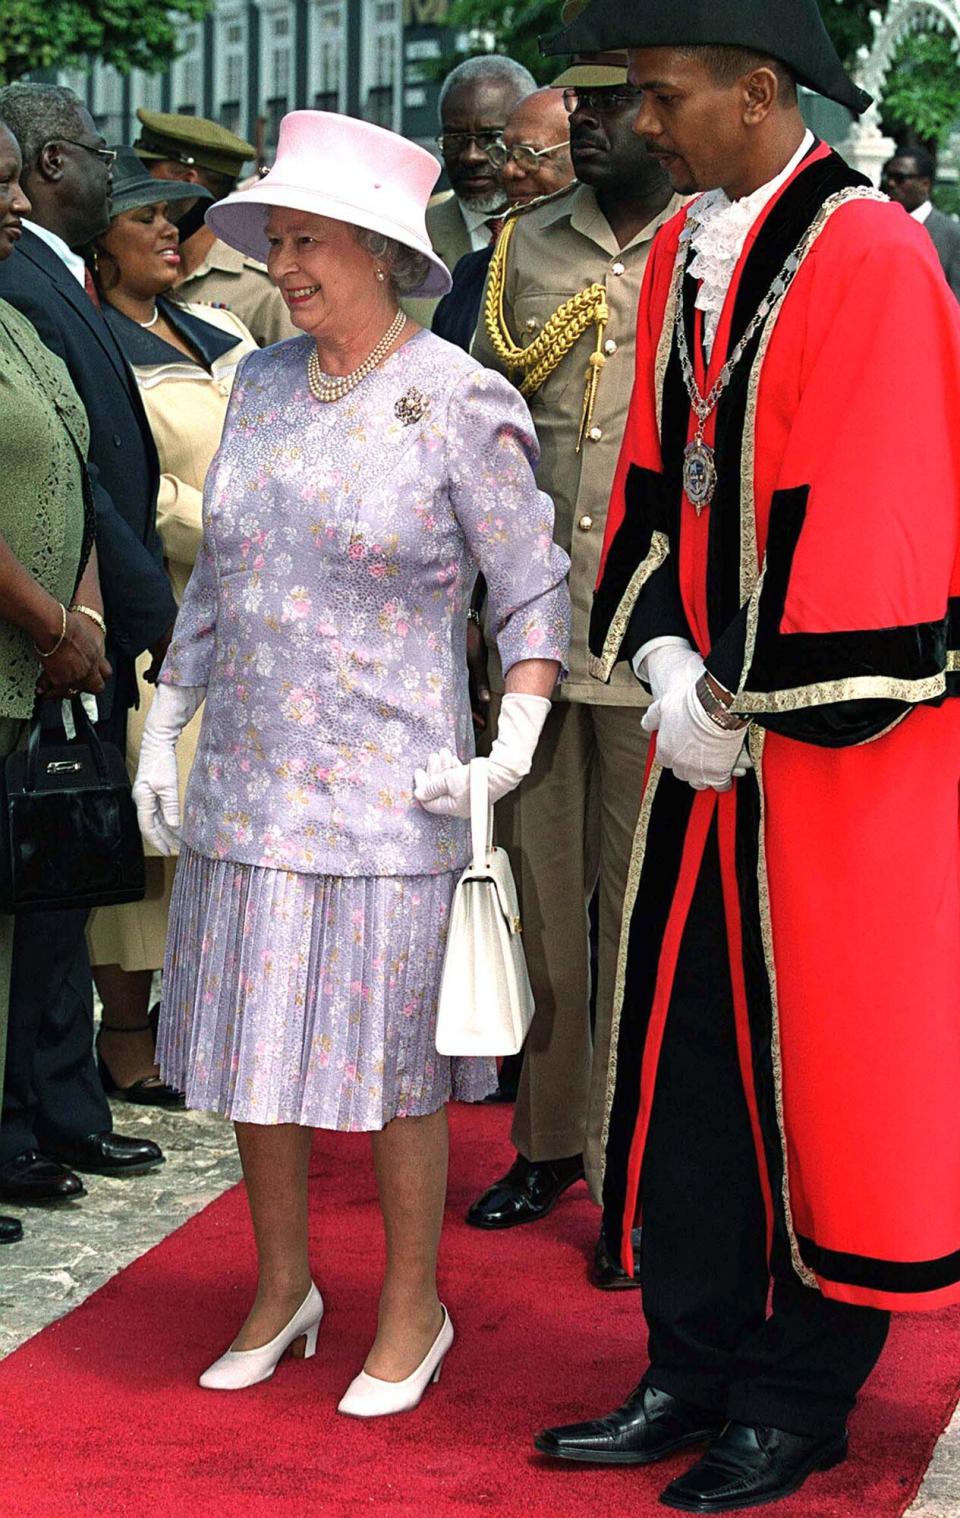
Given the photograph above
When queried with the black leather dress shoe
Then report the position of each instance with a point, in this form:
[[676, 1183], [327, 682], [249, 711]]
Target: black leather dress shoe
[[11, 1229], [527, 1192], [607, 1274], [749, 1464], [649, 1425], [108, 1154], [32, 1179]]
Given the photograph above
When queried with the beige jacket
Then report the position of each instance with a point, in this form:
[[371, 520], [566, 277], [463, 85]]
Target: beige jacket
[[560, 246], [230, 280], [186, 408], [450, 239]]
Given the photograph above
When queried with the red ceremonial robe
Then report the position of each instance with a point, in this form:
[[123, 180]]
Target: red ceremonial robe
[[821, 585]]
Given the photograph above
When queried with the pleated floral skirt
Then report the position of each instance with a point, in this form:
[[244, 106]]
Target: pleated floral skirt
[[291, 998]]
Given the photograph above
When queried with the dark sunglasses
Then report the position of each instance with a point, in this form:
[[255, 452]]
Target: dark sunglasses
[[603, 101]]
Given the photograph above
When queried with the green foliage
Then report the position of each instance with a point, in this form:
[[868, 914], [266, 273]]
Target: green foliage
[[515, 26], [921, 96], [45, 34], [849, 24]]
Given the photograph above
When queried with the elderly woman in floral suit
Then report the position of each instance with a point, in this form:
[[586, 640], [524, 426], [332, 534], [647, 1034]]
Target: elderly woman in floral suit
[[367, 471]]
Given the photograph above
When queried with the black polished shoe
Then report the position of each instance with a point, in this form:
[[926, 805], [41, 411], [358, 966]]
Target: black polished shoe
[[649, 1425], [11, 1229], [750, 1464], [527, 1192], [607, 1274], [31, 1179], [108, 1154]]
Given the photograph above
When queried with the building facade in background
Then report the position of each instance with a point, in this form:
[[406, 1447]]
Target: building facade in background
[[248, 62]]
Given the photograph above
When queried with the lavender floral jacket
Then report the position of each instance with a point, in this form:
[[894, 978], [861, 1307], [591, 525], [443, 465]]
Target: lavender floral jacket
[[326, 615]]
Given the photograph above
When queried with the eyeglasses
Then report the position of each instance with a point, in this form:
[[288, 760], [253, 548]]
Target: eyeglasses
[[107, 156], [604, 100], [895, 176], [452, 144], [522, 155]]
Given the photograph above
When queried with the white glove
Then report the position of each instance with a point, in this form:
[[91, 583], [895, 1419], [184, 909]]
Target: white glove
[[89, 704], [443, 786], [156, 789], [690, 744], [669, 663]]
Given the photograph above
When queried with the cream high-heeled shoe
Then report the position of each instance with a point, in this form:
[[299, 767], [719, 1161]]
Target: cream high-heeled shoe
[[368, 1397], [245, 1367]]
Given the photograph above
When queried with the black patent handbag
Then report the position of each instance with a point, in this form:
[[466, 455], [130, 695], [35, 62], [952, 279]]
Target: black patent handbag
[[68, 826]]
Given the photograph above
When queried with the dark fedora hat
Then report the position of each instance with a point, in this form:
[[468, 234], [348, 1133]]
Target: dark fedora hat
[[133, 187], [789, 30]]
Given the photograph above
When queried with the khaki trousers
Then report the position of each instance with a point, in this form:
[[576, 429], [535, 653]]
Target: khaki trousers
[[570, 824]]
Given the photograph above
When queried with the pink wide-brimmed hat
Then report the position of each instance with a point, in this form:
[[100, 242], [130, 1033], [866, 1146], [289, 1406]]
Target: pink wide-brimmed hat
[[349, 170]]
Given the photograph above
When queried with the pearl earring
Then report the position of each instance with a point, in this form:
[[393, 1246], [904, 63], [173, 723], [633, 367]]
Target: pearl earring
[[381, 276]]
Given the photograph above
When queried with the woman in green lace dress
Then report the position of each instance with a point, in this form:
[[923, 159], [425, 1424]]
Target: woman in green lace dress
[[48, 562]]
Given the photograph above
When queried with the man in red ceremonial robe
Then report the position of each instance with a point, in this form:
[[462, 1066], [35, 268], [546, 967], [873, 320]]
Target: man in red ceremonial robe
[[786, 578]]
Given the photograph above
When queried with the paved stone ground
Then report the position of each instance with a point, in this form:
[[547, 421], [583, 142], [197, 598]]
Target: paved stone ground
[[68, 1252]]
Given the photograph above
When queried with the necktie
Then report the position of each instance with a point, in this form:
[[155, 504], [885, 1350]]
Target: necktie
[[496, 227], [90, 287]]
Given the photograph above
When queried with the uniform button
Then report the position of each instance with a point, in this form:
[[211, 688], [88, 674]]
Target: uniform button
[[532, 324], [117, 440], [595, 434], [610, 346], [585, 523], [619, 268]]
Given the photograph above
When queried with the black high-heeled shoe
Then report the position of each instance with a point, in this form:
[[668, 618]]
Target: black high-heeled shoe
[[149, 1091]]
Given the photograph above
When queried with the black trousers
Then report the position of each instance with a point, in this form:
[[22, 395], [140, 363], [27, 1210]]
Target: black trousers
[[705, 1275], [51, 1091]]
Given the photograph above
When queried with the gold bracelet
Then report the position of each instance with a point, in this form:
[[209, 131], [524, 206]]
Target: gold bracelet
[[63, 633], [88, 611]]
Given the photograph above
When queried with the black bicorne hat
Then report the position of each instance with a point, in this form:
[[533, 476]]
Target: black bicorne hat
[[790, 30]]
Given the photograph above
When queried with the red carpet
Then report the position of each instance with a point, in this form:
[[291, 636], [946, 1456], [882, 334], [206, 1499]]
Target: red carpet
[[100, 1416]]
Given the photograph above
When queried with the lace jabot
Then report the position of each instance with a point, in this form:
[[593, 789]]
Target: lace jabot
[[721, 227]]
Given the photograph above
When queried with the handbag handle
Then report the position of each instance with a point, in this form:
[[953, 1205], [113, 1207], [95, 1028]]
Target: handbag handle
[[83, 726], [481, 814]]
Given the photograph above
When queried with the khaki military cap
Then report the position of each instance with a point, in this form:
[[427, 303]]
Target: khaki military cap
[[192, 140], [590, 71]]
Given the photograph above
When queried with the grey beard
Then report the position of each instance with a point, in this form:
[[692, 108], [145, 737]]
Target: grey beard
[[485, 205]]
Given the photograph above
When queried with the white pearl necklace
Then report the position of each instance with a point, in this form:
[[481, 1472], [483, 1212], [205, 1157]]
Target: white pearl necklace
[[325, 388], [153, 320]]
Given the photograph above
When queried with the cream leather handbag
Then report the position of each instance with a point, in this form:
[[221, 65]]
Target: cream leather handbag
[[486, 1004]]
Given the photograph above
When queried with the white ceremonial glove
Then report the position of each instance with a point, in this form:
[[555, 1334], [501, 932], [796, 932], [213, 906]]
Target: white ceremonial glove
[[691, 745], [89, 704], [156, 789], [671, 663], [443, 786]]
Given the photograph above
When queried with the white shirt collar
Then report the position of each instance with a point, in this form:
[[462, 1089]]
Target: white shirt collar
[[922, 212], [721, 227], [72, 260], [476, 224]]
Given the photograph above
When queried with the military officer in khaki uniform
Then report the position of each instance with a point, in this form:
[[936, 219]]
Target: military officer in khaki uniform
[[559, 318], [203, 152]]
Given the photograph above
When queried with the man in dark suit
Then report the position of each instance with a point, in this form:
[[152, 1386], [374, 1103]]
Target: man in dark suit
[[908, 179], [55, 1114]]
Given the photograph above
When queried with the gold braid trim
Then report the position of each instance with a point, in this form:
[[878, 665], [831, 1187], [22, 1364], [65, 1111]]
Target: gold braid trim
[[552, 344]]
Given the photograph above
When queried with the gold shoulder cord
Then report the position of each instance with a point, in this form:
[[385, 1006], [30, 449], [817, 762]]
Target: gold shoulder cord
[[548, 349]]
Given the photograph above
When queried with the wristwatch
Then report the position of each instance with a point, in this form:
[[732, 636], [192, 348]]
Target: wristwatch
[[719, 714]]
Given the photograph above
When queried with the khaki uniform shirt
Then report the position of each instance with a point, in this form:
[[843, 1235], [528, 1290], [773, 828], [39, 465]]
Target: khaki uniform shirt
[[242, 285], [559, 247]]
